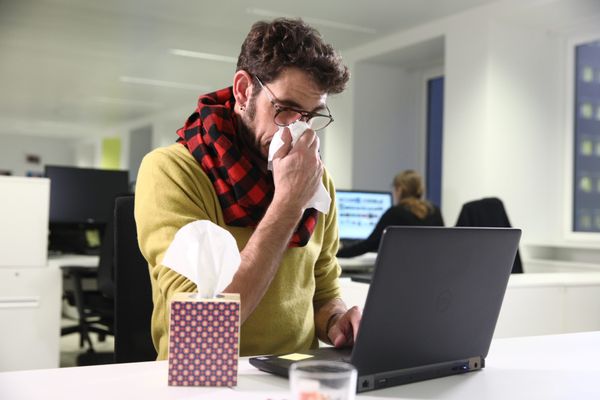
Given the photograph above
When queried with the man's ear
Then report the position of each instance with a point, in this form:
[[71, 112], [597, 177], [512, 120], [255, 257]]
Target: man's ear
[[242, 87]]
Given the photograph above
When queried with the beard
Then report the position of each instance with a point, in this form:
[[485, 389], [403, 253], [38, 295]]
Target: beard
[[247, 135]]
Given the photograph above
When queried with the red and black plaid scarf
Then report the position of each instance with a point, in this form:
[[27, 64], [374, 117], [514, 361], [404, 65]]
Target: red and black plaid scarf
[[243, 189]]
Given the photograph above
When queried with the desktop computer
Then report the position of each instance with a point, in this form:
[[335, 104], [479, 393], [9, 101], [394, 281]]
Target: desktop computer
[[359, 211]]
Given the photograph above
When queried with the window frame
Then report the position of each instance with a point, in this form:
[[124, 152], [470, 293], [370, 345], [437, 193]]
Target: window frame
[[570, 107]]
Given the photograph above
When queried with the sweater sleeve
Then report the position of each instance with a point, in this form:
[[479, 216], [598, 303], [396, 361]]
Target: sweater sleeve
[[164, 204], [327, 268]]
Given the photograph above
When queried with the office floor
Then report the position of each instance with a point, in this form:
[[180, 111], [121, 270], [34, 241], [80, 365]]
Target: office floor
[[71, 353]]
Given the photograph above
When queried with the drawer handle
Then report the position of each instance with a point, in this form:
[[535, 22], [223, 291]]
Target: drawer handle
[[19, 302]]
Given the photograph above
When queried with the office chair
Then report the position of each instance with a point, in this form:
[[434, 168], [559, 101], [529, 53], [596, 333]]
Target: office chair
[[95, 308], [133, 292], [487, 212]]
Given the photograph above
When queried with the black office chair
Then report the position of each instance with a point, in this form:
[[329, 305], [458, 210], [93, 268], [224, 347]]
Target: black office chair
[[487, 212], [95, 308], [133, 292]]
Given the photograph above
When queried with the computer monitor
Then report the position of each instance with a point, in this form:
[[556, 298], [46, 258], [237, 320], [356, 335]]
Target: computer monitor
[[81, 203], [84, 195], [359, 211]]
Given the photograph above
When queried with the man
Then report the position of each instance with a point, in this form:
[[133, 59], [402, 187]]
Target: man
[[288, 276]]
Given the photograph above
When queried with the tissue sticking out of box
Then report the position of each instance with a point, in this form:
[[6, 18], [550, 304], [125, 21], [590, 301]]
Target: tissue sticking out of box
[[321, 200], [206, 254]]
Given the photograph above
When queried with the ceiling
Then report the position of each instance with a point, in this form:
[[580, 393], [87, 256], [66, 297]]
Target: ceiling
[[71, 67]]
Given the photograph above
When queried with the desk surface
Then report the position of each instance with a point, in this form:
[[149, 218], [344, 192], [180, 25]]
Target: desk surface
[[541, 367], [63, 260], [359, 263]]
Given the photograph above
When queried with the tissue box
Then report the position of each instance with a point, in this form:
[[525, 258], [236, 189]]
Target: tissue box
[[204, 340]]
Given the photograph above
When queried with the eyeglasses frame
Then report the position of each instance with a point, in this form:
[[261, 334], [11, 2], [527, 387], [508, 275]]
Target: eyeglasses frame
[[307, 115]]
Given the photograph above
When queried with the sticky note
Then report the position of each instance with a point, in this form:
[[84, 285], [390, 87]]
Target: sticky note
[[296, 356]]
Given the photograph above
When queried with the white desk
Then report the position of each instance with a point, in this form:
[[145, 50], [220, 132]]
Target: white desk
[[359, 263], [65, 260], [541, 367]]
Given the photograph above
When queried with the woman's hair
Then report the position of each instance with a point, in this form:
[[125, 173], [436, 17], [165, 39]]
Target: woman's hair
[[411, 184], [273, 46]]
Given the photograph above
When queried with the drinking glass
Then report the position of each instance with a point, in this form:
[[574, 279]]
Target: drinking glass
[[322, 380]]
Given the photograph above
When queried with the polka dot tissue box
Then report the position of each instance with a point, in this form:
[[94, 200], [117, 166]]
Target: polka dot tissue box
[[204, 340]]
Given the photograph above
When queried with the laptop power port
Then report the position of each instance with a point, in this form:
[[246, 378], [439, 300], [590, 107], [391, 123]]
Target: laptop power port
[[365, 383]]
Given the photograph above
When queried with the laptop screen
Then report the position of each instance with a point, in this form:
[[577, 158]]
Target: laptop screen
[[359, 211]]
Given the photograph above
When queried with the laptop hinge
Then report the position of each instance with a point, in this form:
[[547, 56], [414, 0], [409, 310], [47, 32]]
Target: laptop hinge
[[408, 375]]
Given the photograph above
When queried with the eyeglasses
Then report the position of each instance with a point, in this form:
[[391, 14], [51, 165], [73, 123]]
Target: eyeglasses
[[285, 116]]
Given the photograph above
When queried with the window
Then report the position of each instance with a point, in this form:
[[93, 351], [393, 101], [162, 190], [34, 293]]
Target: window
[[586, 146]]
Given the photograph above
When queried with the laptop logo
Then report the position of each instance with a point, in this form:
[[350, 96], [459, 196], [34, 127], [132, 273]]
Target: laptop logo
[[443, 301]]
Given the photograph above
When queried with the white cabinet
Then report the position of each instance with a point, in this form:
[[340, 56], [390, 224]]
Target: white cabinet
[[30, 290], [30, 301]]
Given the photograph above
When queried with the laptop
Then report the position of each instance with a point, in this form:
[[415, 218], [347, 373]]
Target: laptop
[[431, 308]]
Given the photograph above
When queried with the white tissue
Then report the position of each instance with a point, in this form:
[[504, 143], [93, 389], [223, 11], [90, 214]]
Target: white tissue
[[321, 199], [206, 254]]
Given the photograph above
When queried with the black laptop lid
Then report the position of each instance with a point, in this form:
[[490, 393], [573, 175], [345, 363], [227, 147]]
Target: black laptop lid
[[435, 296]]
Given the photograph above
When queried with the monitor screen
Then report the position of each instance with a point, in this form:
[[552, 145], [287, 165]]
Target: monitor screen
[[359, 211], [84, 195]]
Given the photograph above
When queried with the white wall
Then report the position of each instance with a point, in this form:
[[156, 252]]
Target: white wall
[[338, 143], [527, 133], [14, 148], [504, 119], [464, 166], [504, 123], [385, 125]]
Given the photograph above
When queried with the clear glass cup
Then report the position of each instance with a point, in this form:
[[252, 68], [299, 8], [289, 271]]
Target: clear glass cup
[[322, 380]]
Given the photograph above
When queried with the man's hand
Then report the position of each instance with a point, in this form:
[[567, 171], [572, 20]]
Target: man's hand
[[343, 327], [297, 170]]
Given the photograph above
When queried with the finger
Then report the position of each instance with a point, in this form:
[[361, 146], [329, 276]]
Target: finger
[[344, 330], [349, 325], [355, 316], [337, 337], [307, 138], [341, 340], [337, 332], [316, 144], [285, 148]]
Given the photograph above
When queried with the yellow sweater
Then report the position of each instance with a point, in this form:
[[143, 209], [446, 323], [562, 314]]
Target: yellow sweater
[[172, 190]]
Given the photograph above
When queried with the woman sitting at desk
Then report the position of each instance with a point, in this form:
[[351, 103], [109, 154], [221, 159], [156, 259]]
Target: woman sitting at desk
[[409, 209]]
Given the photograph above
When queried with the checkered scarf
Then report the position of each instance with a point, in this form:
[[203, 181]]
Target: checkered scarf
[[243, 190]]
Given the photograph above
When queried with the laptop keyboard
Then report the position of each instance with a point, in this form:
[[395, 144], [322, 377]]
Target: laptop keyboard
[[334, 354]]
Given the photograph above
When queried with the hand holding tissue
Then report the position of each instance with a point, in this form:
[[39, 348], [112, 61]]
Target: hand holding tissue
[[204, 327], [321, 199]]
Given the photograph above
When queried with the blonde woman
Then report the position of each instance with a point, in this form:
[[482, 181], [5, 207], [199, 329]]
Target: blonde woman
[[410, 209]]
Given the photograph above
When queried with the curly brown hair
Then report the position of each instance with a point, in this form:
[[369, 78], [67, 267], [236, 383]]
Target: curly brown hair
[[272, 46]]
